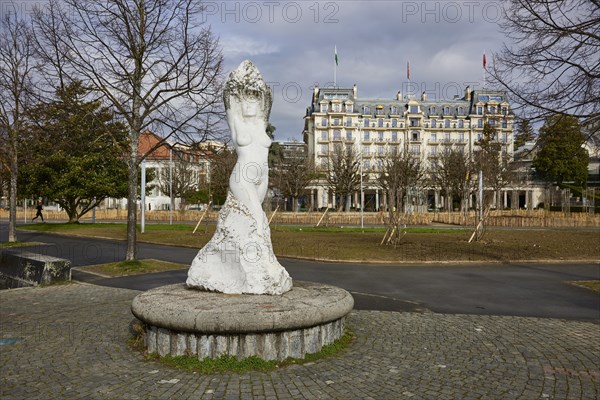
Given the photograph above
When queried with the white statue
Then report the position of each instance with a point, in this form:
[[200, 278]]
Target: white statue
[[239, 258]]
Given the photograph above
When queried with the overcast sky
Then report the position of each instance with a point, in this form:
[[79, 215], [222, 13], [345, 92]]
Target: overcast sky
[[292, 43]]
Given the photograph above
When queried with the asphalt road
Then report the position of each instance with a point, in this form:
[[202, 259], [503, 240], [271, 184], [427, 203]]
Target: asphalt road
[[534, 290]]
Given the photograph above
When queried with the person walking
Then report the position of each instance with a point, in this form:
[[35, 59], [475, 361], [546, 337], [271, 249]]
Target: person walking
[[39, 209]]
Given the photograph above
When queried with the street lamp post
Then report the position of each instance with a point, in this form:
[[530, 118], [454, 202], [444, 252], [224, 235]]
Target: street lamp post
[[362, 195], [143, 199], [171, 185]]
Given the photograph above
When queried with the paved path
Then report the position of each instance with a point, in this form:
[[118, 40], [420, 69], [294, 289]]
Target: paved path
[[72, 345]]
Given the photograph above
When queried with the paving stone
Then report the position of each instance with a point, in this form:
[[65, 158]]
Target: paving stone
[[73, 345]]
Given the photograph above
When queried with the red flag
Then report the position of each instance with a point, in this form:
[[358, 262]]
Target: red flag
[[408, 70], [484, 60]]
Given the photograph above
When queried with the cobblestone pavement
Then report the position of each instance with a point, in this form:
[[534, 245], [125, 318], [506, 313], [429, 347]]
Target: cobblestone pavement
[[72, 345]]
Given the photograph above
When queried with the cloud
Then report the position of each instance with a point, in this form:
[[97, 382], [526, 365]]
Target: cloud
[[235, 46]]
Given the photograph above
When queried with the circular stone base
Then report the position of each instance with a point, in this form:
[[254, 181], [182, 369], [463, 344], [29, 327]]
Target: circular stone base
[[182, 321]]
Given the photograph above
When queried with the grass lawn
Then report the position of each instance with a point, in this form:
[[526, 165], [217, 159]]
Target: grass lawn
[[353, 244], [124, 268]]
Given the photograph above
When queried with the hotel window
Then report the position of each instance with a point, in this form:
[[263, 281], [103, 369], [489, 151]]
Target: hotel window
[[336, 121], [323, 121], [394, 136], [492, 110], [394, 110], [367, 165], [380, 122], [349, 148], [415, 136], [380, 137], [479, 110], [461, 123], [432, 110], [461, 111], [366, 151], [366, 121], [504, 137], [504, 110], [337, 135], [415, 149], [414, 122], [461, 137], [323, 149], [447, 137], [380, 150], [433, 123], [349, 135], [394, 123], [349, 108], [366, 136], [447, 123], [504, 124], [414, 109], [337, 107], [323, 135], [446, 110], [323, 107], [492, 122], [394, 150], [366, 110], [433, 138], [349, 121], [379, 110], [480, 123], [479, 137], [432, 150]]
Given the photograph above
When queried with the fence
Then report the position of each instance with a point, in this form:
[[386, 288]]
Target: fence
[[506, 218]]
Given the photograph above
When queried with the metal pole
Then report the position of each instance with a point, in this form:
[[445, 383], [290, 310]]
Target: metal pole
[[25, 210], [171, 186], [94, 212], [143, 205], [362, 197], [480, 195]]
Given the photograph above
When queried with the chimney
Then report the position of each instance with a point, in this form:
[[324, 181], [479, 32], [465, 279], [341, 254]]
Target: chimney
[[423, 96], [468, 93], [354, 91], [399, 96], [316, 93]]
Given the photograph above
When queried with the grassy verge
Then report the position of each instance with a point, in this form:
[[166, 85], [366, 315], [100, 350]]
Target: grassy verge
[[5, 245], [354, 244], [124, 268], [592, 285]]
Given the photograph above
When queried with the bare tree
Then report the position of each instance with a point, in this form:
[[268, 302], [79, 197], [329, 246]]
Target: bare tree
[[16, 72], [495, 164], [401, 171], [343, 174], [222, 163], [181, 180], [451, 171], [293, 174], [551, 64], [152, 61]]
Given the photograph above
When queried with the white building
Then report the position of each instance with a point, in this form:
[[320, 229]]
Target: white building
[[378, 127]]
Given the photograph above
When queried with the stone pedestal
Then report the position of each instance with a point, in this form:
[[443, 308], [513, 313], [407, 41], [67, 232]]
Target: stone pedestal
[[182, 321]]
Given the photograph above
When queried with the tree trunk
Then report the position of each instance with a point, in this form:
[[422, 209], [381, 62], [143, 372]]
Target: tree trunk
[[12, 220], [294, 204]]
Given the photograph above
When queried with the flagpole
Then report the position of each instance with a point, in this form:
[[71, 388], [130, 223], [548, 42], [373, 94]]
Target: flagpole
[[335, 62], [484, 69]]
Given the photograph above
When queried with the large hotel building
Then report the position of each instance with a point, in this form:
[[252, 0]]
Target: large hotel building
[[378, 127]]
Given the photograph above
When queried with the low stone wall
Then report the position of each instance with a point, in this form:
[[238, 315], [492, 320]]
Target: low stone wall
[[21, 268], [180, 321]]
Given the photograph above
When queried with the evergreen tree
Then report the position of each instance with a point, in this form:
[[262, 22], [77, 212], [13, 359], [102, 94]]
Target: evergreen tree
[[561, 156], [75, 153], [524, 133]]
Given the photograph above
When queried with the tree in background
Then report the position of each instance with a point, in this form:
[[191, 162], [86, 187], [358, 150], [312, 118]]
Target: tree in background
[[293, 174], [400, 172], [343, 174], [75, 153], [16, 74], [561, 156], [153, 62], [452, 172], [221, 167], [524, 133], [551, 63], [182, 180], [493, 160]]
